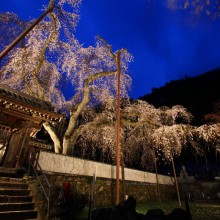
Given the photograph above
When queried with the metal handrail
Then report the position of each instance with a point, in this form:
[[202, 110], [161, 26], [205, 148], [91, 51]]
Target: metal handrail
[[33, 162]]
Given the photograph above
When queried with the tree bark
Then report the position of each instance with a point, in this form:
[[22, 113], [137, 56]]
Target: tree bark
[[54, 136], [66, 146], [71, 133]]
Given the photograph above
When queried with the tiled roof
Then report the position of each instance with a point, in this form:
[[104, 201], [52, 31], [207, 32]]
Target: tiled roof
[[25, 99], [20, 104]]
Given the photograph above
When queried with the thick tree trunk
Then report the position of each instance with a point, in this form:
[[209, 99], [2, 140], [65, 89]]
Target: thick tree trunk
[[52, 132], [66, 146], [72, 131], [70, 141]]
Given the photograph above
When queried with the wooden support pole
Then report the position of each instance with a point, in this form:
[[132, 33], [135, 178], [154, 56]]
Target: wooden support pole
[[176, 183], [118, 147], [23, 34]]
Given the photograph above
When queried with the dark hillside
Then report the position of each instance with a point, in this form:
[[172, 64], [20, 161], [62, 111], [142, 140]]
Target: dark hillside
[[197, 94]]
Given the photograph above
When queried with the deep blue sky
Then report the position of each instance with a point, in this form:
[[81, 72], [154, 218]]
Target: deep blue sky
[[166, 44]]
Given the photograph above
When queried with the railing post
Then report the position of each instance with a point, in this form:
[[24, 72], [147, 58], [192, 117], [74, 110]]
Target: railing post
[[48, 202], [36, 158], [33, 162], [29, 163]]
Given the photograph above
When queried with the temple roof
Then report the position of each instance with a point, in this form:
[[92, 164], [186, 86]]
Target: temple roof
[[25, 99], [19, 104]]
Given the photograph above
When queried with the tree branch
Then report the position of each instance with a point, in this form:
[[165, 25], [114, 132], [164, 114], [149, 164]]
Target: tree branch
[[100, 74], [109, 47], [54, 136], [43, 52]]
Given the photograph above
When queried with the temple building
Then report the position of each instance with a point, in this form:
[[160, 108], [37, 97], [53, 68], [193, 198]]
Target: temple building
[[21, 117]]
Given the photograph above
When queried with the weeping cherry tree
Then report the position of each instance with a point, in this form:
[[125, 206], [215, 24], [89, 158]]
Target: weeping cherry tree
[[45, 60]]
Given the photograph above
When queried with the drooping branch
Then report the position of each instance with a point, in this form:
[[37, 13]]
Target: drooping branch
[[107, 46], [43, 53], [54, 136], [114, 56], [22, 35]]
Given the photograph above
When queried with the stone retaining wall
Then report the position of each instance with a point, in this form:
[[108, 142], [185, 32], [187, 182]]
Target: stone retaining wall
[[200, 190], [105, 189], [58, 163], [141, 185]]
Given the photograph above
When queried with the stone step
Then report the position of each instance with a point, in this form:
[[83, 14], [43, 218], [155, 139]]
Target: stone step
[[12, 180], [11, 172], [14, 192], [16, 206], [18, 215], [15, 199], [16, 185]]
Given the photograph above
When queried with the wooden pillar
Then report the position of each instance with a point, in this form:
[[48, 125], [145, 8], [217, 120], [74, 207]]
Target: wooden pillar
[[118, 146], [18, 146], [24, 146], [11, 153]]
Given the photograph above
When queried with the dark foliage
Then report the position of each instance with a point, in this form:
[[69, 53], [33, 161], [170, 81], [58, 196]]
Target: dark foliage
[[198, 94]]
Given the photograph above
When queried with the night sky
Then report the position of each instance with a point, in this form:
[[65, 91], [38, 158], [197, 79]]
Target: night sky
[[167, 43]]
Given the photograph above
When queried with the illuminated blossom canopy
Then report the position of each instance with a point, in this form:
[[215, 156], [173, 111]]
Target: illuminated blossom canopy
[[50, 56], [146, 132]]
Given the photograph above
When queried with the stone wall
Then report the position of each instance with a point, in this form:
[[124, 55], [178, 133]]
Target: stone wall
[[105, 189], [51, 162], [141, 185], [200, 190]]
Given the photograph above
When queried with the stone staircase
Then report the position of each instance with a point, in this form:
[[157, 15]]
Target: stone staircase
[[16, 203]]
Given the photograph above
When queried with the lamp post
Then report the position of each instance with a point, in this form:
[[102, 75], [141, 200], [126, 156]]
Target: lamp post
[[118, 146]]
